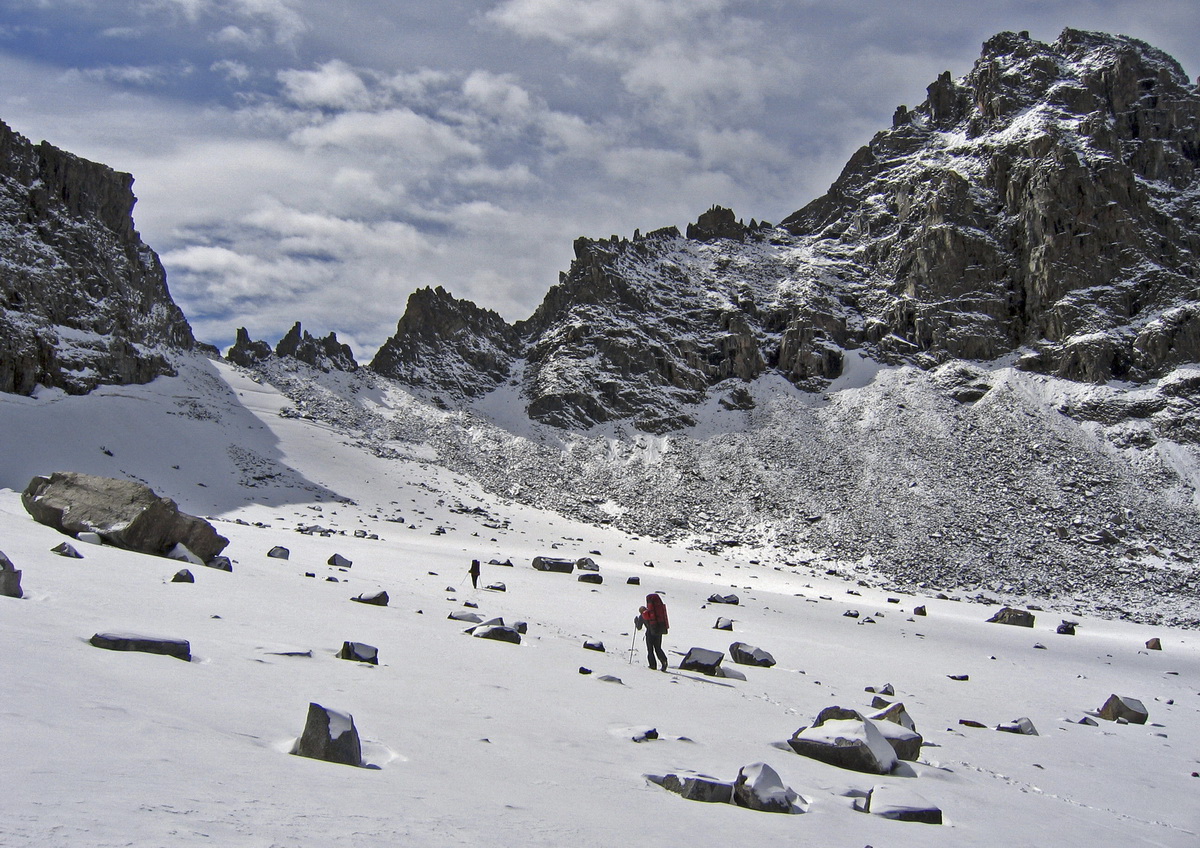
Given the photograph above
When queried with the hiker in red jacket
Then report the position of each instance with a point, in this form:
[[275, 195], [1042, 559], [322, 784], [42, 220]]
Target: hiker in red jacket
[[654, 616]]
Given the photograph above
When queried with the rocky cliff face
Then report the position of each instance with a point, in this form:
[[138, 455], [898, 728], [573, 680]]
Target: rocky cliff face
[[84, 301], [1046, 206]]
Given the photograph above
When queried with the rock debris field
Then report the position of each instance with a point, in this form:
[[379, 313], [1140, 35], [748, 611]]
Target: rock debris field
[[551, 738]]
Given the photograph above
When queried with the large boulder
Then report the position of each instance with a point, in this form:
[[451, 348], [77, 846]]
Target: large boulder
[[1128, 709], [703, 660], [497, 632], [329, 735], [744, 654], [562, 566], [897, 727], [123, 513], [178, 648], [759, 787], [851, 743], [1016, 617], [10, 579]]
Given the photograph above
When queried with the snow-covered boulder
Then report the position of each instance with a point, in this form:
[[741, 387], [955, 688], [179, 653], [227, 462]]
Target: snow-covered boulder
[[594, 645], [1021, 726], [359, 652], [898, 803], [123, 513], [759, 787], [586, 564], [115, 641], [466, 615], [1129, 709], [331, 736], [378, 599], [852, 743], [744, 654], [10, 579], [703, 660], [723, 624], [220, 563]]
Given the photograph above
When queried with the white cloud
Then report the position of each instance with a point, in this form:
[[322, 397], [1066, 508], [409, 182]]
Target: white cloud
[[232, 70], [401, 133], [333, 85]]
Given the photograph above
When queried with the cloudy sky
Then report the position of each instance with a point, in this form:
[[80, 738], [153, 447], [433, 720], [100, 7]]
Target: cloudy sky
[[318, 160]]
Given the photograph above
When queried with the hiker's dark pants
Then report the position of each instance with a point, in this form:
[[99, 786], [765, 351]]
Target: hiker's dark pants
[[654, 647]]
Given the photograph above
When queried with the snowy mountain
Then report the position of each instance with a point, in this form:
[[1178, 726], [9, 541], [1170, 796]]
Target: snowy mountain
[[85, 302], [1043, 206]]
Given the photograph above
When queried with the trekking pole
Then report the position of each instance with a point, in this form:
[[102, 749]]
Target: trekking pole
[[632, 645]]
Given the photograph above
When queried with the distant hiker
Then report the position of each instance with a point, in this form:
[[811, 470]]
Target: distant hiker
[[654, 617], [474, 572]]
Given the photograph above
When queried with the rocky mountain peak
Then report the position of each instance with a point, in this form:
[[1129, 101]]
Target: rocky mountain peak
[[327, 354], [1044, 206], [85, 302], [448, 345]]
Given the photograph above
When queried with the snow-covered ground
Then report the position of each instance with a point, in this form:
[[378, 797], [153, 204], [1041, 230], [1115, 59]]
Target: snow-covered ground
[[487, 743]]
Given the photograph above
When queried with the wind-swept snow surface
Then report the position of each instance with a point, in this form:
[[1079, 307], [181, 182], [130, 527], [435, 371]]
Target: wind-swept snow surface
[[479, 742]]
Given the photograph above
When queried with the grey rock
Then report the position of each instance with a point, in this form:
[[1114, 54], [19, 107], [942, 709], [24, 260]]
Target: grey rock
[[10, 579], [496, 587], [123, 513], [464, 615], [556, 564], [634, 581], [1130, 709], [65, 549], [898, 804], [114, 641], [359, 652], [183, 576], [759, 787], [220, 563], [594, 645], [1154, 644], [1015, 617], [1067, 628], [696, 788], [703, 660], [591, 577], [733, 600], [744, 654], [339, 561], [1021, 726], [723, 624], [851, 743], [331, 736], [279, 552], [379, 599], [499, 633]]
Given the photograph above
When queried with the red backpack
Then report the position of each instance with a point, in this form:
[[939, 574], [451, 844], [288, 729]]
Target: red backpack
[[656, 613]]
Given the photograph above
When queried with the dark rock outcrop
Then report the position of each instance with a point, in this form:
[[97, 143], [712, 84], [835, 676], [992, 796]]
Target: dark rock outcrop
[[179, 648], [10, 579], [83, 302], [331, 736], [703, 660], [125, 514], [744, 654], [1015, 617]]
